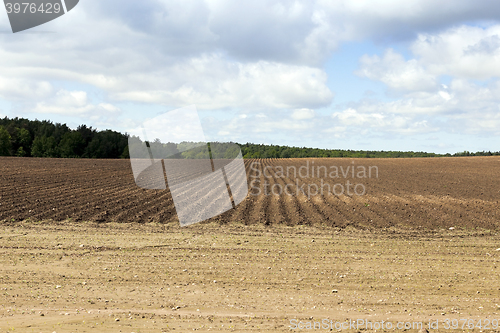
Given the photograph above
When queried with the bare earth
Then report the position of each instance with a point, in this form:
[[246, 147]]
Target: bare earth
[[68, 277], [84, 250], [424, 193]]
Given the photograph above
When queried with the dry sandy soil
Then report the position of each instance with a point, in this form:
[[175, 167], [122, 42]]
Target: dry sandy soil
[[84, 250], [88, 277]]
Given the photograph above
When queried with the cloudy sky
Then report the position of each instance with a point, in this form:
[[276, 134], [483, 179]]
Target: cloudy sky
[[381, 75]]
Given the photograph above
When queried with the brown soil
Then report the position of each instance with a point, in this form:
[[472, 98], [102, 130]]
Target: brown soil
[[426, 193], [83, 249]]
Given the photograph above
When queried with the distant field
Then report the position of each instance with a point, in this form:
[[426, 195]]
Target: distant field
[[425, 193]]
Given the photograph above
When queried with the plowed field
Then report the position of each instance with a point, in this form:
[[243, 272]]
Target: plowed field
[[421, 193], [83, 249]]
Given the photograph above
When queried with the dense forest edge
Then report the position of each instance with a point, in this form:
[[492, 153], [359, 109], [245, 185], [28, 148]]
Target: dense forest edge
[[34, 138]]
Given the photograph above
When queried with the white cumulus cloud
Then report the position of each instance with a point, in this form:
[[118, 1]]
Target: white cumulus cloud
[[300, 114]]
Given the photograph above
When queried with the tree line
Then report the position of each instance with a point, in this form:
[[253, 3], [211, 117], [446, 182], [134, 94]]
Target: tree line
[[250, 150], [34, 138]]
